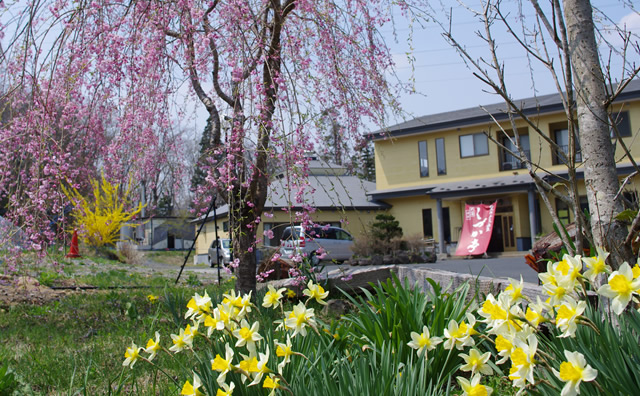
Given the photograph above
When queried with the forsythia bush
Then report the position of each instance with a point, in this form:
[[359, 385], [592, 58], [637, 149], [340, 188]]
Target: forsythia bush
[[562, 345], [101, 216]]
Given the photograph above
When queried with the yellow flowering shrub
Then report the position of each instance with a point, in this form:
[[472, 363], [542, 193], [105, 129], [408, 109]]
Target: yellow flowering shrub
[[101, 215]]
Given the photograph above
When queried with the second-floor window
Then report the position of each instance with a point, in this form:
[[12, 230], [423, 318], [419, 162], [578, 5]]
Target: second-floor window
[[510, 161], [561, 137], [440, 157], [623, 125], [424, 160], [473, 145]]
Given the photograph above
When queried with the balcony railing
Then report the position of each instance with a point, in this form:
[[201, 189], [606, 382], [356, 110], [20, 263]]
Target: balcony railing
[[562, 155], [510, 162]]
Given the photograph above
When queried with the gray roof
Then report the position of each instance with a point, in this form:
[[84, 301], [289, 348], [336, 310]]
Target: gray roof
[[323, 192], [481, 115]]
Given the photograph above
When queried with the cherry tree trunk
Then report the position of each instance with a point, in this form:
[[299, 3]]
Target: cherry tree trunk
[[600, 174]]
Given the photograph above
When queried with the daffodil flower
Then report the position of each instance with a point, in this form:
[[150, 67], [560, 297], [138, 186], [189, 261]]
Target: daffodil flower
[[248, 335], [459, 336], [567, 314], [153, 347], [476, 363], [214, 322], [192, 390], [620, 287], [271, 382], [272, 297], [152, 299], [596, 265], [423, 342], [284, 351], [514, 290], [523, 358], [298, 319], [132, 354], [227, 390], [473, 387], [223, 365], [181, 341], [573, 372], [261, 368], [291, 293], [198, 306], [314, 291]]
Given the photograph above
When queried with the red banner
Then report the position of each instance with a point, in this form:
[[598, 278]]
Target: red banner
[[476, 229]]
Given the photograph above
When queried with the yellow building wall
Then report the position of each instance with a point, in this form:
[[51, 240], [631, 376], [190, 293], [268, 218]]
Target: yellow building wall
[[397, 158], [354, 222]]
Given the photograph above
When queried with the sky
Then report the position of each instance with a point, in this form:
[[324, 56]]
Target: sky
[[443, 82]]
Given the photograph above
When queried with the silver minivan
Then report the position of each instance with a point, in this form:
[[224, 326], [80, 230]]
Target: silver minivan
[[225, 251], [311, 243]]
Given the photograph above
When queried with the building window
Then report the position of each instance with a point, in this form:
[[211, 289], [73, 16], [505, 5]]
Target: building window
[[562, 210], [510, 161], [440, 157], [225, 226], [424, 160], [623, 125], [561, 137], [473, 145], [427, 223]]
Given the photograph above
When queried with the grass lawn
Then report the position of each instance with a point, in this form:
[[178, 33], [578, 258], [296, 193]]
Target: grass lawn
[[76, 344]]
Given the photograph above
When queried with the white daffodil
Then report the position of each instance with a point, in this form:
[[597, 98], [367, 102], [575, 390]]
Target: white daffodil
[[248, 335], [272, 297], [192, 390], [132, 354], [298, 319], [620, 287], [423, 342], [153, 347], [596, 265], [573, 372], [567, 315], [473, 387], [223, 365], [198, 306], [476, 362], [314, 291]]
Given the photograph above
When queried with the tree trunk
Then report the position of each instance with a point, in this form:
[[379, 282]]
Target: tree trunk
[[600, 174], [244, 250]]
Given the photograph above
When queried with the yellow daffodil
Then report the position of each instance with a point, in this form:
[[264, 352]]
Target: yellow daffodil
[[153, 347], [504, 348], [298, 319], [473, 387], [523, 357], [567, 314], [192, 330], [192, 390], [314, 291], [226, 390], [573, 372], [514, 290], [423, 342], [459, 336], [272, 297], [476, 363], [223, 365], [152, 299], [284, 351], [261, 368], [596, 265], [291, 293], [214, 322], [132, 354], [248, 335], [198, 306], [271, 382], [620, 287], [181, 341]]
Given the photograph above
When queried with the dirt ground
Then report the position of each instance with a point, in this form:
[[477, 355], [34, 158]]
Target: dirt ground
[[27, 289]]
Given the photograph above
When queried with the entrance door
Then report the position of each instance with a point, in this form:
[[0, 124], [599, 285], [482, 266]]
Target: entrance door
[[496, 243], [508, 236]]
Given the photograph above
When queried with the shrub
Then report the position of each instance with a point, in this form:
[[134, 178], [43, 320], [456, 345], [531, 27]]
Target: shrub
[[130, 253]]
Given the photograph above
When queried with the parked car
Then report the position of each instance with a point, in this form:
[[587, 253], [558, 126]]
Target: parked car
[[225, 251], [315, 241]]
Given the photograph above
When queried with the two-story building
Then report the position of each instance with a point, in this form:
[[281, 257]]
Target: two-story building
[[429, 167]]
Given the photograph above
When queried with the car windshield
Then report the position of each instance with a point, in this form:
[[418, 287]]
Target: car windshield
[[225, 243]]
